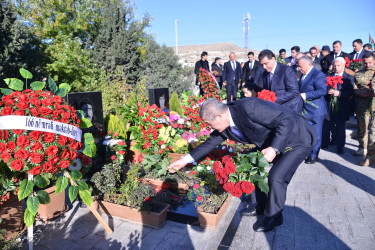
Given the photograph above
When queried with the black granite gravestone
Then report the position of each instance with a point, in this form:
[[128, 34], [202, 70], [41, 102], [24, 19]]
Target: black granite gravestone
[[160, 97]]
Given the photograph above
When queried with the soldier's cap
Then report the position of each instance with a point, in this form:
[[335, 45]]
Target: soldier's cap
[[326, 48]]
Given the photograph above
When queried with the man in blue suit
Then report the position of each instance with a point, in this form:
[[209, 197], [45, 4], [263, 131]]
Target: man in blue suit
[[344, 93], [313, 89], [232, 75], [280, 79]]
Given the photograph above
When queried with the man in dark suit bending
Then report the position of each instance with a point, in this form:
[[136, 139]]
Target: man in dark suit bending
[[280, 79], [272, 128]]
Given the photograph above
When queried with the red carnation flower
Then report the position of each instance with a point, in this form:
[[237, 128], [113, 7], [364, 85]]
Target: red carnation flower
[[57, 99], [45, 111], [247, 187], [19, 112], [64, 164], [73, 154], [4, 134], [229, 186], [23, 105], [24, 97], [75, 145], [36, 157], [62, 140], [48, 137], [237, 192], [35, 171], [2, 147], [35, 135], [47, 167], [11, 146], [22, 154], [86, 161], [230, 167], [36, 102], [47, 102], [37, 146], [52, 150], [34, 111], [17, 165], [65, 154], [5, 156], [113, 157], [18, 131], [6, 111], [23, 141]]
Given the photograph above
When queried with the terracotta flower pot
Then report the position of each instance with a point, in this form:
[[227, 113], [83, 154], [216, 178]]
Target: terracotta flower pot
[[175, 157], [151, 219], [11, 213], [210, 221], [55, 208], [182, 188]]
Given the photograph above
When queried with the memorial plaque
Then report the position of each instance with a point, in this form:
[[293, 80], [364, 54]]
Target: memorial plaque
[[160, 97]]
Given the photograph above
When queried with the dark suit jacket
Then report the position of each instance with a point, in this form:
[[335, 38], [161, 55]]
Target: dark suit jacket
[[219, 70], [264, 124], [345, 98], [200, 64], [288, 59], [314, 86], [298, 73], [247, 72], [363, 52], [229, 74], [329, 59], [285, 85]]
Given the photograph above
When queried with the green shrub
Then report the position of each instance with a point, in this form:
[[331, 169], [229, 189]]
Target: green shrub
[[117, 125], [175, 104]]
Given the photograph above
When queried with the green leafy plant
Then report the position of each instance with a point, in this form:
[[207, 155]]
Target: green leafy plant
[[175, 105], [155, 164], [115, 124]]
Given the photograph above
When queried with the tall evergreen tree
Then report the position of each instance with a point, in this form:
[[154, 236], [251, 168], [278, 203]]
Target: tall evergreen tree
[[164, 70], [18, 48], [120, 41]]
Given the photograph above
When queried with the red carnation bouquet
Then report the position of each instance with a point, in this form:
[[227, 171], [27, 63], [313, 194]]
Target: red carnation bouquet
[[332, 83], [356, 64], [347, 62], [209, 85], [267, 95], [241, 178], [42, 154]]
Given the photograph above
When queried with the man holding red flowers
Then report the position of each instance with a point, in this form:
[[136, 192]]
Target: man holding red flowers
[[284, 137]]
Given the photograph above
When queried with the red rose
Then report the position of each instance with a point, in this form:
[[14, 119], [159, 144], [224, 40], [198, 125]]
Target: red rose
[[35, 171], [229, 186], [54, 160], [36, 102], [5, 156], [44, 111], [17, 164], [75, 145], [21, 153], [73, 154], [47, 167], [86, 161], [35, 135], [48, 137], [247, 187], [65, 154], [34, 111], [23, 105], [120, 152], [47, 102], [6, 111], [11, 146], [36, 157], [52, 150], [37, 146], [18, 131], [64, 164], [19, 112], [23, 141], [2, 147], [62, 140]]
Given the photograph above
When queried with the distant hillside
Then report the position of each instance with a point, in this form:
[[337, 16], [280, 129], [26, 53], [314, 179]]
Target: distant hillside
[[189, 54]]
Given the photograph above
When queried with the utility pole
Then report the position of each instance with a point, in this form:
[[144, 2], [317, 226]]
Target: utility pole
[[246, 28], [175, 26]]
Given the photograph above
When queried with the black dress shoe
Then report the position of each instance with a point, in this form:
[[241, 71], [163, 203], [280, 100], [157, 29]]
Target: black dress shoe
[[325, 146], [311, 160], [251, 211], [268, 223], [332, 142], [340, 151]]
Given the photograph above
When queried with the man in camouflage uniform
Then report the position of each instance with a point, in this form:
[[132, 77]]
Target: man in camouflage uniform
[[364, 109]]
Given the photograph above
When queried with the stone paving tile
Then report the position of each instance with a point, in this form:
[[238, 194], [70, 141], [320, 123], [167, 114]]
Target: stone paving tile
[[329, 205]]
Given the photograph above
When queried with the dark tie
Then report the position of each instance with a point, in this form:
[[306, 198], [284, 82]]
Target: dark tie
[[251, 65], [270, 81], [237, 133], [356, 55]]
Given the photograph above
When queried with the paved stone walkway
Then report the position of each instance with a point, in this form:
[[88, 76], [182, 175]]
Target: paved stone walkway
[[330, 205]]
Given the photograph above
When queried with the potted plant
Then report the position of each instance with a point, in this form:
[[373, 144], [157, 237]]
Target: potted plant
[[129, 199]]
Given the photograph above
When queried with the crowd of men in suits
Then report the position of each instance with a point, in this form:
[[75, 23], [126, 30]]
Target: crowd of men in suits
[[299, 82]]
